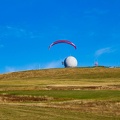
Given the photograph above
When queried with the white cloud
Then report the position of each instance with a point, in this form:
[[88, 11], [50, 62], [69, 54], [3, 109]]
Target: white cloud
[[103, 51], [21, 68], [53, 64], [34, 66], [10, 69], [9, 31], [16, 32]]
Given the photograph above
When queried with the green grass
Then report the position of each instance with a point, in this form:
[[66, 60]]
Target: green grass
[[69, 94], [58, 94]]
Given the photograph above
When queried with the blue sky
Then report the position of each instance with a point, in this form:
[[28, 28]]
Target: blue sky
[[28, 27]]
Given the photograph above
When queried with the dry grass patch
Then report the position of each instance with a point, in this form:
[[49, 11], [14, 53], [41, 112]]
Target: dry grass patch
[[71, 73]]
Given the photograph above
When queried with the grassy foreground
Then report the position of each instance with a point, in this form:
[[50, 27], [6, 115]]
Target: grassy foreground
[[58, 94]]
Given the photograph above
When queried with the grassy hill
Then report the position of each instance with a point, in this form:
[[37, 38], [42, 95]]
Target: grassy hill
[[66, 73], [65, 93]]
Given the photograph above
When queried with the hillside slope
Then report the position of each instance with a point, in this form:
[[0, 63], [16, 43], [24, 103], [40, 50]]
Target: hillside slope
[[65, 93], [65, 73]]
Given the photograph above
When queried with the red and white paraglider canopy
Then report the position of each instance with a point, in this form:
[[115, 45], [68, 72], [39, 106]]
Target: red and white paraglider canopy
[[62, 41]]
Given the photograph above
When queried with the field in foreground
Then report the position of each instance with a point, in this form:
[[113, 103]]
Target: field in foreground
[[57, 94]]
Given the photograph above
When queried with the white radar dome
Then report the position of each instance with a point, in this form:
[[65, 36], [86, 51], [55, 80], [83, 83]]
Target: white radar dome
[[70, 62]]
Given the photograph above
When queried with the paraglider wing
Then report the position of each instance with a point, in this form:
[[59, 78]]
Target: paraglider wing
[[62, 41]]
